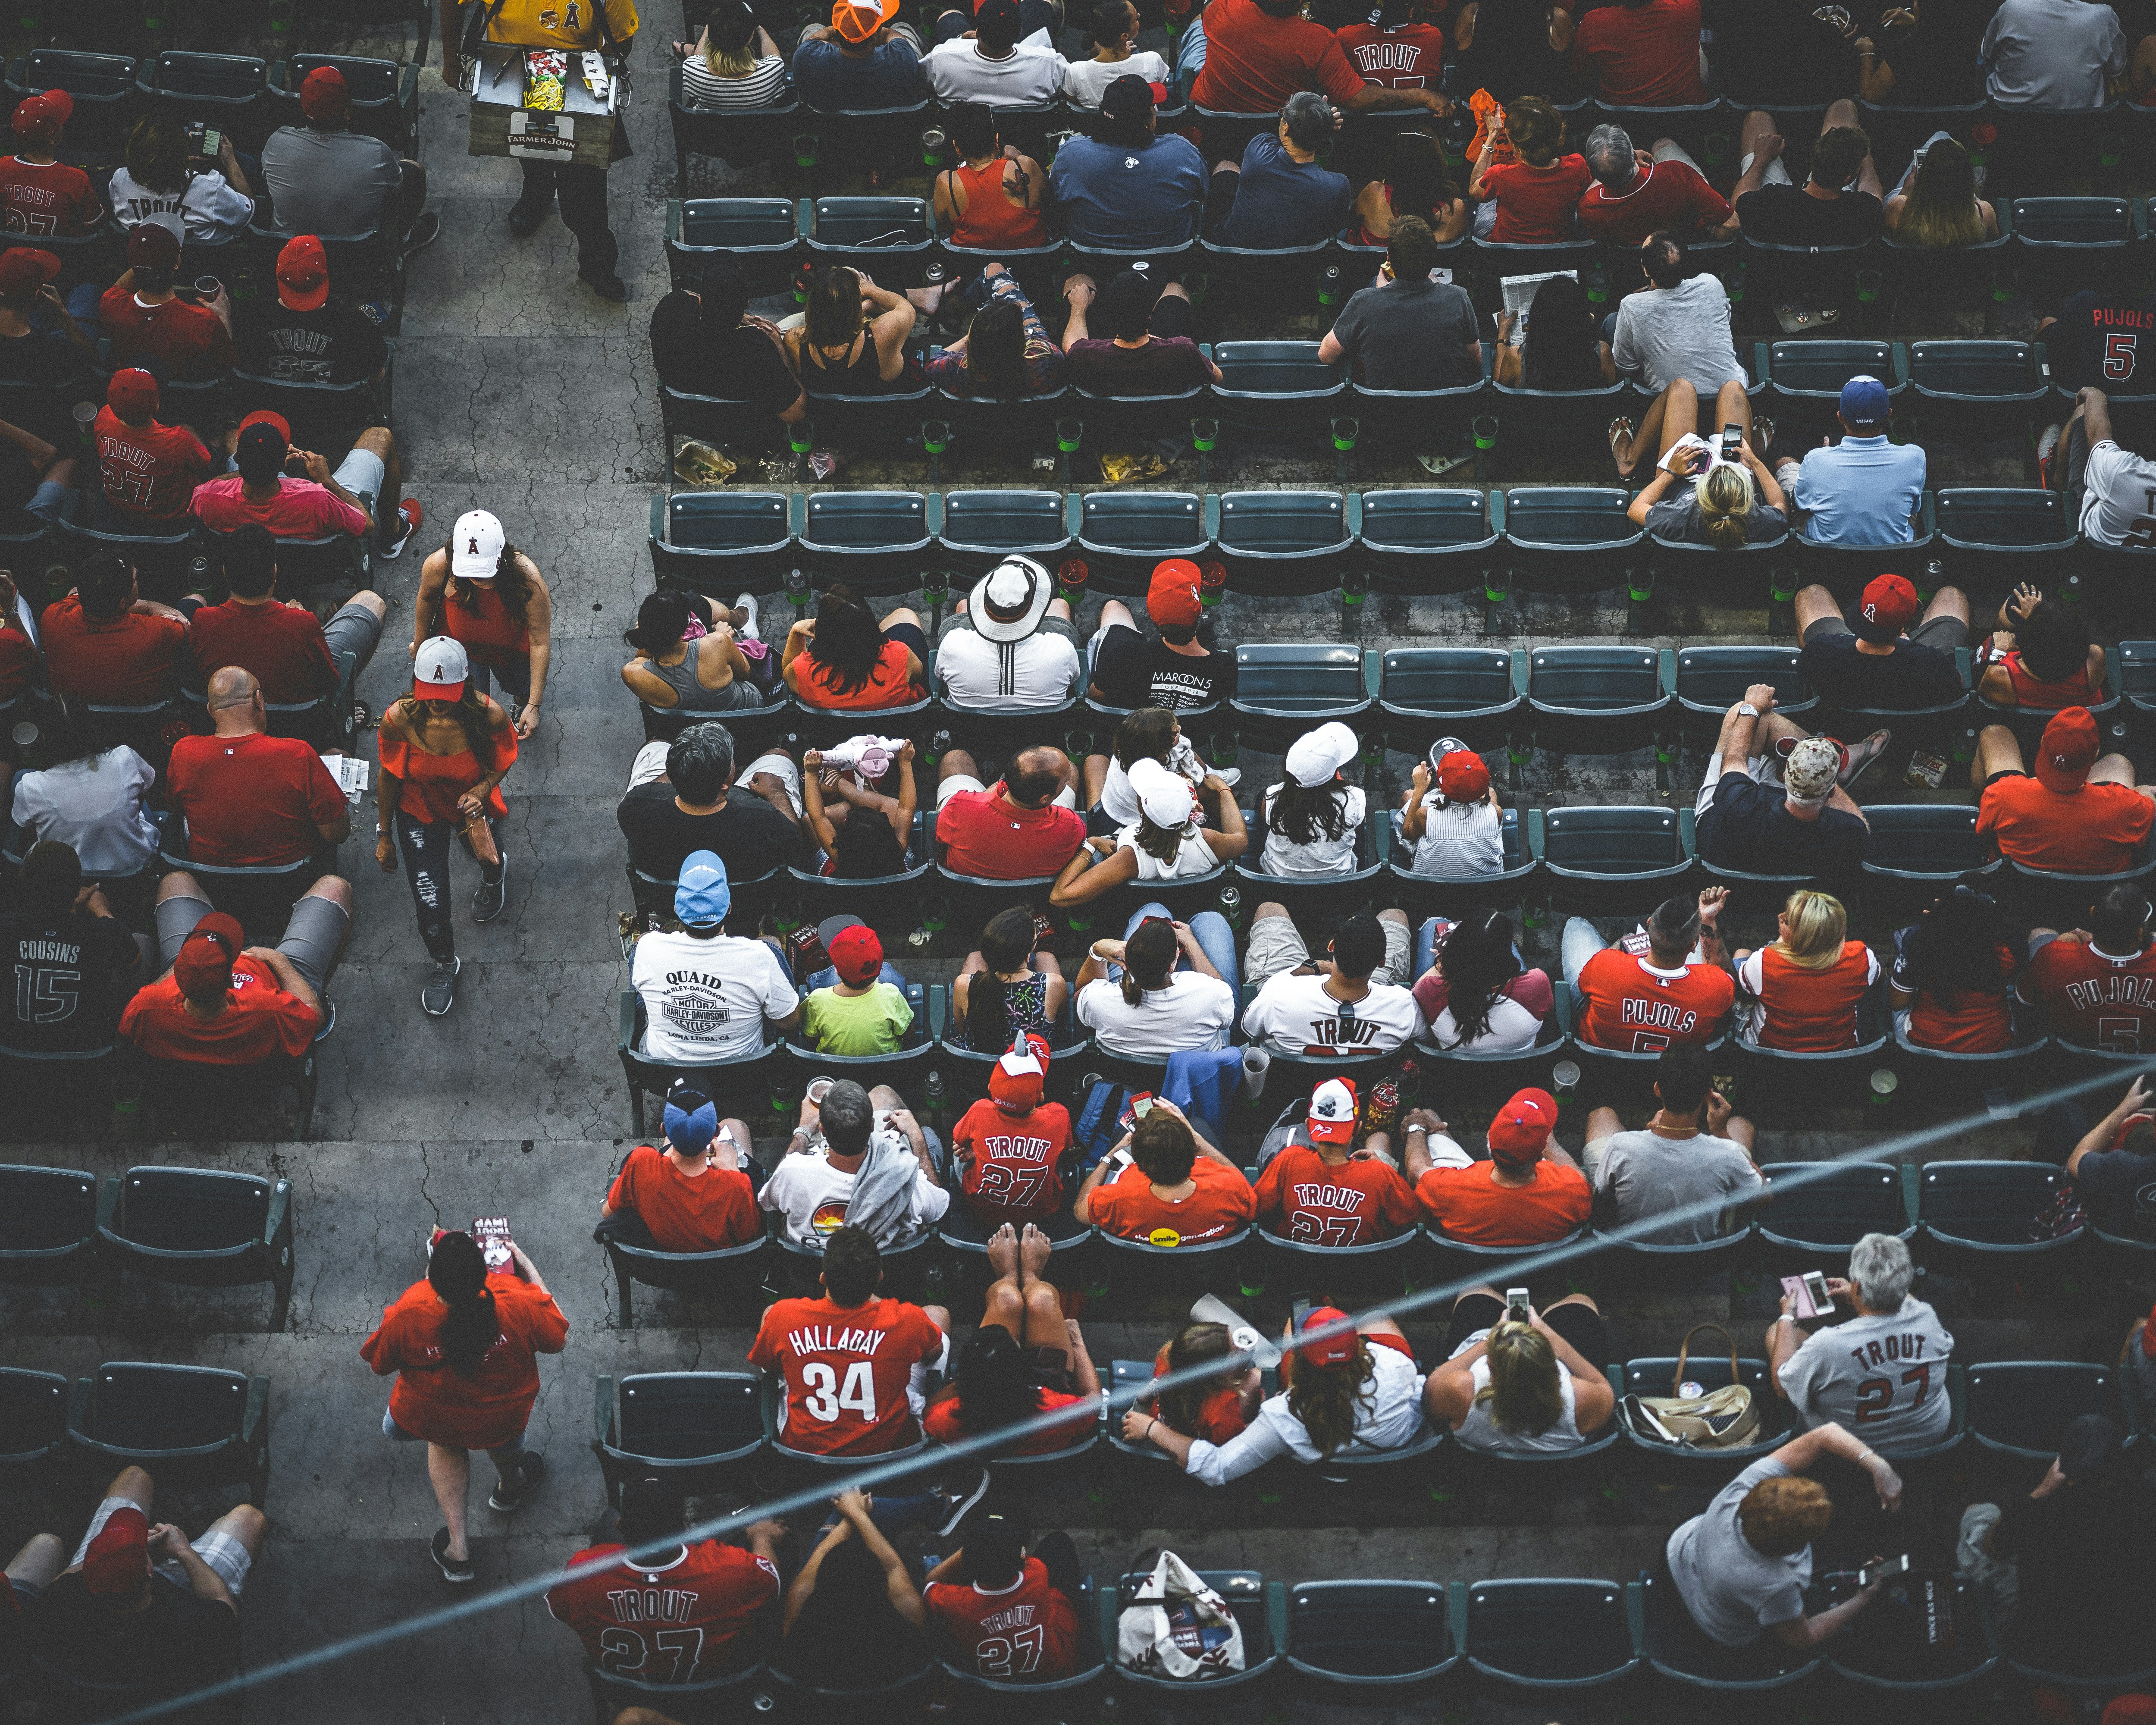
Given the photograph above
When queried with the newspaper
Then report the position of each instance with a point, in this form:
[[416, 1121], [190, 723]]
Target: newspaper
[[1520, 296], [349, 771]]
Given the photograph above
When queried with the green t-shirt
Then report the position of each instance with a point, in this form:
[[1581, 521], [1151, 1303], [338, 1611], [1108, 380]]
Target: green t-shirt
[[871, 1024]]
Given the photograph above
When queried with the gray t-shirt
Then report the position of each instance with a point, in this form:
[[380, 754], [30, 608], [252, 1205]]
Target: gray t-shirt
[[1647, 1175], [1676, 518], [327, 182], [1683, 331], [1410, 335], [1884, 1376], [1734, 1593]]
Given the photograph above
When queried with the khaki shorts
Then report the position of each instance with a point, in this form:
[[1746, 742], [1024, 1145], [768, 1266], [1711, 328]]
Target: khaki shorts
[[226, 1556], [1277, 946]]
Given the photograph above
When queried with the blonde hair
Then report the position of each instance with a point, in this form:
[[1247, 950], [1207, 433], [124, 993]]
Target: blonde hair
[[1524, 1392], [1942, 213], [1818, 927], [1725, 498]]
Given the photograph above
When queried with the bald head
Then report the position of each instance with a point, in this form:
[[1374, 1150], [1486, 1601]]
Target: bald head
[[233, 694], [1036, 776]]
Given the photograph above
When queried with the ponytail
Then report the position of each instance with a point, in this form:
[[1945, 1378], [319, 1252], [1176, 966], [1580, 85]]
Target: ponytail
[[1725, 499], [457, 1273]]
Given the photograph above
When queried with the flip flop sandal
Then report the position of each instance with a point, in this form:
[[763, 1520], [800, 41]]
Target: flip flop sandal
[[1626, 428]]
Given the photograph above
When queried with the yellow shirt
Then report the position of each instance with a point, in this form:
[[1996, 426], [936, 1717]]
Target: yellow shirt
[[559, 24]]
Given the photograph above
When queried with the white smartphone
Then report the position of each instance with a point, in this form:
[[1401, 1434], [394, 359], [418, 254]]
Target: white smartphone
[[1886, 1572], [1516, 1306]]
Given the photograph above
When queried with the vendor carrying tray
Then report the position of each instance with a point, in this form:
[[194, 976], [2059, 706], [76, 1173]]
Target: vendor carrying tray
[[582, 133]]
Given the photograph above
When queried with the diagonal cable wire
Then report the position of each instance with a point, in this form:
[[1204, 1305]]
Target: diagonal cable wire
[[980, 1447]]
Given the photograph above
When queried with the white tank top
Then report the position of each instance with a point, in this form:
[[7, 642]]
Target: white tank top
[[1481, 1431], [1194, 857]]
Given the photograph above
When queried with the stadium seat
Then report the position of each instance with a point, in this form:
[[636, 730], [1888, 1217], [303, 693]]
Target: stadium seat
[[1958, 276], [1804, 379], [882, 417], [1974, 392], [1429, 541], [2074, 237], [1283, 690], [1974, 1217], [48, 1226], [995, 1695], [1590, 852], [330, 559], [1454, 894], [2051, 898], [1283, 542], [642, 1073], [890, 238], [740, 137], [1138, 1267], [1418, 420], [872, 540], [720, 541], [208, 1095], [1275, 391], [231, 91], [1369, 1643], [797, 1699], [832, 1468], [899, 1069], [1599, 701], [201, 1227], [1996, 536], [1759, 893], [980, 528], [1533, 1639], [801, 1270], [1896, 129], [1531, 421], [1712, 571], [1680, 1652], [1570, 539], [1228, 133], [1278, 277], [34, 1424], [1489, 263], [1012, 1468], [1832, 274], [1709, 1367], [2019, 1409], [702, 1702], [383, 95], [1376, 1268], [757, 234], [1640, 1265], [1259, 1607], [1922, 848], [857, 135], [727, 1273], [159, 558], [1710, 680], [1476, 694], [322, 416], [106, 88], [1877, 1653], [1068, 1042], [1123, 535], [694, 1429], [1461, 1260], [189, 1425]]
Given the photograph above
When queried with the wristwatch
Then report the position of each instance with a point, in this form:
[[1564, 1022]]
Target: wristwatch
[[1746, 708]]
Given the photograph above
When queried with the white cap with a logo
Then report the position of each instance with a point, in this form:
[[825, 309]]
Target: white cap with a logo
[[439, 670], [475, 547]]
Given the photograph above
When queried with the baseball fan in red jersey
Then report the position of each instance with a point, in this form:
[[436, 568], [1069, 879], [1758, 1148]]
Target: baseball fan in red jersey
[[1528, 1193], [1802, 992], [1399, 50], [1008, 1146], [222, 1003], [38, 193], [853, 1361], [1642, 1001], [1001, 1610], [692, 1197], [144, 318], [2039, 655], [147, 471], [679, 1614], [1176, 1190], [2098, 986], [2081, 813], [1326, 1192], [1025, 1358]]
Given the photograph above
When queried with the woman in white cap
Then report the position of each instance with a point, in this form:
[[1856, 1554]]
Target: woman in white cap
[[1311, 818], [489, 597], [1011, 645], [1167, 842], [443, 751]]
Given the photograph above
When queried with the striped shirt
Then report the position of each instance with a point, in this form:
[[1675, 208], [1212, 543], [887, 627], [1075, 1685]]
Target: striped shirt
[[764, 87]]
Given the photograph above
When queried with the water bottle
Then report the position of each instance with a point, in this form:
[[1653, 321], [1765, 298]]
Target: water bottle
[[1230, 903], [198, 575], [1965, 745], [932, 1094], [797, 592]]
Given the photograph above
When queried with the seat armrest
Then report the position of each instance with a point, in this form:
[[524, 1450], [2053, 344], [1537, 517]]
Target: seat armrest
[[629, 1001], [108, 1202], [254, 1423], [1912, 1185], [277, 1221], [602, 1408], [1276, 1623]]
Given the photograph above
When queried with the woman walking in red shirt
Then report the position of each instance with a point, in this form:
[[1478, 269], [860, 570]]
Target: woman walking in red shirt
[[465, 1342], [490, 598], [443, 751]]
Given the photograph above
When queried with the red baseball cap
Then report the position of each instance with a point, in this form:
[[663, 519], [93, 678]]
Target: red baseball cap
[[1331, 1351], [1331, 1117], [1887, 607], [856, 954], [2131, 1710], [118, 1560], [203, 968], [24, 271], [152, 245], [1173, 596], [323, 95], [1522, 1127], [42, 115], [1020, 1075], [1462, 776], [303, 274], [132, 394], [2068, 749]]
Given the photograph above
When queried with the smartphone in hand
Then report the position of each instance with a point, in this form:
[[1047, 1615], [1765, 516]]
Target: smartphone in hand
[[1809, 1292]]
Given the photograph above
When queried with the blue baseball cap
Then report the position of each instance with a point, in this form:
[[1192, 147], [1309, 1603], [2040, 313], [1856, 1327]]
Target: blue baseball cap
[[701, 894], [692, 1121], [1864, 401]]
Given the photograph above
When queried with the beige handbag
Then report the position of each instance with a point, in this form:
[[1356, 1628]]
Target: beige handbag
[[1723, 1418]]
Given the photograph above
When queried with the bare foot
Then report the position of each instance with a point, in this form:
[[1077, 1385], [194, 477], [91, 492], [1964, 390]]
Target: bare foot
[[1033, 1249], [1002, 1253]]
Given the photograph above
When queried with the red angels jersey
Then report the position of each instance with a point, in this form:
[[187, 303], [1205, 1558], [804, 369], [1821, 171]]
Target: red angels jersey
[[677, 1622], [1026, 1629], [1302, 1196], [848, 1373], [1011, 1173], [1626, 1003], [2094, 1000]]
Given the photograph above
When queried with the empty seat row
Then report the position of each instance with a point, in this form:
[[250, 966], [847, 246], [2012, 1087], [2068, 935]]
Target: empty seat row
[[190, 1426]]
